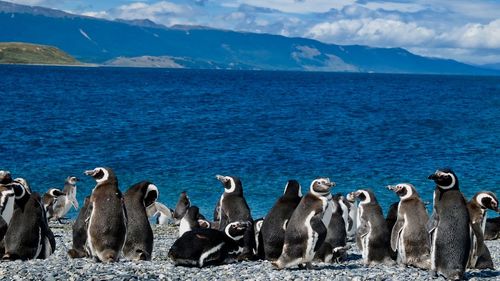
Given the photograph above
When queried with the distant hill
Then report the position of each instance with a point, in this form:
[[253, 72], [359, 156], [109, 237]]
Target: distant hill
[[138, 41], [23, 53]]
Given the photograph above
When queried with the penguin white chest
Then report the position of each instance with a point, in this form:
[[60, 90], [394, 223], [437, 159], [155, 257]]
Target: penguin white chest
[[184, 226], [8, 210], [312, 238]]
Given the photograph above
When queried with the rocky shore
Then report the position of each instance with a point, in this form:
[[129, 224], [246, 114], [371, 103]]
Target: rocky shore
[[60, 267]]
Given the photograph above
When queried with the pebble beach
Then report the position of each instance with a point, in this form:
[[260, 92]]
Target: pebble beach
[[60, 267]]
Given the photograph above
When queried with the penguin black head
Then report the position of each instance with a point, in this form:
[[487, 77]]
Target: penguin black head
[[55, 192], [231, 184], [151, 194], [403, 190], [192, 213], [445, 179], [102, 175], [364, 196], [321, 186], [236, 230], [72, 180], [5, 177], [24, 183], [487, 200], [292, 189], [183, 200], [21, 193]]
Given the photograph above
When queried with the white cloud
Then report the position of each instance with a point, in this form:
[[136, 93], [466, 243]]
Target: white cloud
[[28, 2], [370, 31], [475, 35], [97, 14], [141, 10], [293, 6]]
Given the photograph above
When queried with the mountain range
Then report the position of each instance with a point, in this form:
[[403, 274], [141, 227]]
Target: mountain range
[[144, 43]]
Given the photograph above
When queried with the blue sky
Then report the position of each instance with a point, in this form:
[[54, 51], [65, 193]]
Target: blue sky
[[465, 30]]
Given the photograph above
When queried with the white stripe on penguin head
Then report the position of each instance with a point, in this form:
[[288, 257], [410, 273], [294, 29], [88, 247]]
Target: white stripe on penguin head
[[367, 199], [453, 180], [482, 196], [233, 184], [104, 177], [409, 190]]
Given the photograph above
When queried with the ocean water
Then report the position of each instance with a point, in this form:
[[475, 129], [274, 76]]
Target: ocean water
[[179, 128]]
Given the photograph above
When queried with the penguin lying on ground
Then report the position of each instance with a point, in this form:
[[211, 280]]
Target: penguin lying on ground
[[161, 213], [409, 235], [28, 235], [139, 241], [205, 246], [373, 238], [305, 231], [192, 220], [480, 256]]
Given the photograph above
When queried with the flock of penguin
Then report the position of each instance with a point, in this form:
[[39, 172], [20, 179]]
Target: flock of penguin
[[297, 231]]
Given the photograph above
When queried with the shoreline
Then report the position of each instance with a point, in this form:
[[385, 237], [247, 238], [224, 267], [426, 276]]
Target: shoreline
[[60, 267]]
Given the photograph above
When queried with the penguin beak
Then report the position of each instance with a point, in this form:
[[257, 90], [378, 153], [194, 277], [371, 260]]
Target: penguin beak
[[393, 188], [432, 177], [331, 184], [89, 173], [220, 178]]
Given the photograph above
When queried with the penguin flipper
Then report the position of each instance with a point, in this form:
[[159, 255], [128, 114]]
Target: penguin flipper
[[318, 226], [433, 223], [396, 233], [362, 231], [74, 202]]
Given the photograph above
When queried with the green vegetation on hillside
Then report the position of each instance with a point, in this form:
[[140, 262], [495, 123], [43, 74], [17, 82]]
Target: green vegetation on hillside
[[24, 53]]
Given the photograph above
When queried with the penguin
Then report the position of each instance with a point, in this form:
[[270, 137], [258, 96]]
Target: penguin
[[372, 238], [492, 229], [334, 247], [107, 225], [206, 246], [192, 220], [49, 199], [233, 208], [480, 256], [79, 228], [392, 216], [350, 215], [390, 220], [409, 234], [162, 214], [449, 227], [274, 226], [305, 231], [139, 241], [63, 205], [5, 177], [28, 235], [181, 207]]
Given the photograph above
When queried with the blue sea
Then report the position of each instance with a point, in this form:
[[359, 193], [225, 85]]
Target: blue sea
[[179, 128]]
